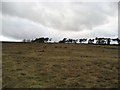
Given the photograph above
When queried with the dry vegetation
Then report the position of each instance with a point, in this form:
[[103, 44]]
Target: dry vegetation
[[36, 65]]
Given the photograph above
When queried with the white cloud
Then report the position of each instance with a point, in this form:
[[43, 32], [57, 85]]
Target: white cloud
[[3, 38], [58, 20], [63, 16]]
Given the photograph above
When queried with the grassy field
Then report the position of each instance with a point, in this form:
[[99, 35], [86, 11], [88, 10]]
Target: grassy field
[[36, 65]]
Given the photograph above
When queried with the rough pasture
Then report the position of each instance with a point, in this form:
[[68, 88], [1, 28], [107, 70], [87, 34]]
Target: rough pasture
[[36, 65]]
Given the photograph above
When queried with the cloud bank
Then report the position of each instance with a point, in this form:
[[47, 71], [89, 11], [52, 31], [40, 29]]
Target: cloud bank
[[59, 19]]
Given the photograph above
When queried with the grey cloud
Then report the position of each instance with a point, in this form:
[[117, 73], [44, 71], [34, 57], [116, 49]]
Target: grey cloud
[[58, 20], [20, 28], [63, 16]]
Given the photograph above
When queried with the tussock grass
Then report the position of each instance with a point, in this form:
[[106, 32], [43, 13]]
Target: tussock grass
[[36, 65]]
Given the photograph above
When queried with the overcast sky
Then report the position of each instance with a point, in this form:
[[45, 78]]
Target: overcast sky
[[28, 20]]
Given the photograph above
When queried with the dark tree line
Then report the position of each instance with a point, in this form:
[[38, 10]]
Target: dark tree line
[[100, 41], [65, 40], [39, 40]]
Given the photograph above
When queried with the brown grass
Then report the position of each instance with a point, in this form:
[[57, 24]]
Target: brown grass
[[36, 65]]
